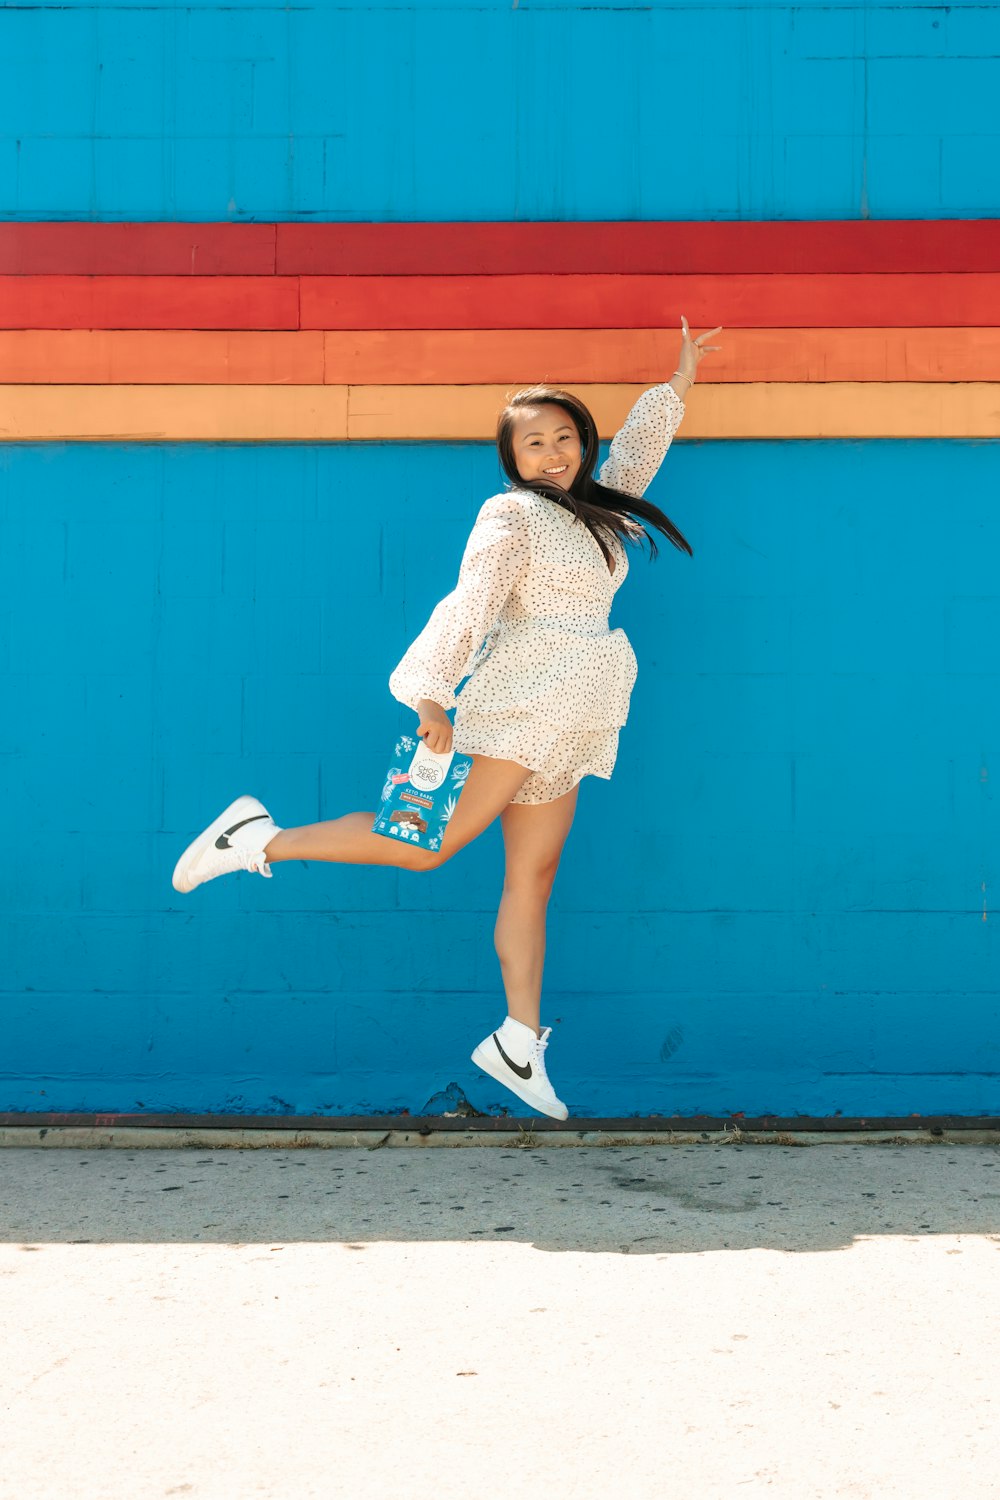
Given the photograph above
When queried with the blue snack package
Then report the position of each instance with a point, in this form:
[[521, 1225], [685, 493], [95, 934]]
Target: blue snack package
[[421, 793]]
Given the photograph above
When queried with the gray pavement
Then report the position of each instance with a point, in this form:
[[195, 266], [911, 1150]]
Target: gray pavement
[[706, 1322]]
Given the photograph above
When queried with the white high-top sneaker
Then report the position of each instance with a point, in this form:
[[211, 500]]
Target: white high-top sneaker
[[515, 1057], [235, 841]]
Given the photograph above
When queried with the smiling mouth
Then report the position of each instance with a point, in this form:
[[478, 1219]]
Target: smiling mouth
[[554, 473]]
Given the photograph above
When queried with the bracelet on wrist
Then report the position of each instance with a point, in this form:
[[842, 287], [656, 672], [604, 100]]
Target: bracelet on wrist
[[683, 377]]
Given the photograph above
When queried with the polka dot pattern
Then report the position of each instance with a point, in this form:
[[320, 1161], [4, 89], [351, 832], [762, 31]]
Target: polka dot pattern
[[549, 683]]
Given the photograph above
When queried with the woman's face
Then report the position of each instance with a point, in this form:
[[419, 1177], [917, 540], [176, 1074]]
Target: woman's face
[[546, 444]]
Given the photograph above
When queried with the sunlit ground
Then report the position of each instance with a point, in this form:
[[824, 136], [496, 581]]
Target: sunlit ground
[[707, 1322]]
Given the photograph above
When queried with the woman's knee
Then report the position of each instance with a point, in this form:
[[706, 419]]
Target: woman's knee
[[446, 852], [422, 860], [532, 879], [487, 793], [432, 859]]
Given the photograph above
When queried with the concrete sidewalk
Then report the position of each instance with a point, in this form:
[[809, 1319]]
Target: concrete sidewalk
[[702, 1322]]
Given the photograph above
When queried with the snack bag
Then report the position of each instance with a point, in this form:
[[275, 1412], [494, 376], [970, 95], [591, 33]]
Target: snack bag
[[421, 793]]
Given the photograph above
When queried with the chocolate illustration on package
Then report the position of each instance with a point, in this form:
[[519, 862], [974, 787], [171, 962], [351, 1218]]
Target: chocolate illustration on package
[[421, 793]]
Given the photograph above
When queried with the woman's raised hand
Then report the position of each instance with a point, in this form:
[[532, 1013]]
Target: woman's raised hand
[[435, 728], [694, 350]]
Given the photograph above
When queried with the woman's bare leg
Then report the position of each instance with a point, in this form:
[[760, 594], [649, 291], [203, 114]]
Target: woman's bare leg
[[533, 839], [350, 841]]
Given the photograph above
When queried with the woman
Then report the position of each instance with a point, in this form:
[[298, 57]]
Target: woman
[[547, 693]]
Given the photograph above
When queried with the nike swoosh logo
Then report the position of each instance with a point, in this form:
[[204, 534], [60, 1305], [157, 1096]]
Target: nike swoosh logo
[[514, 1067], [222, 842]]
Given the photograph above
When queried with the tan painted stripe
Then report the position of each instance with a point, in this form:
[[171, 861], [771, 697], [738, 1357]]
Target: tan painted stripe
[[488, 356], [713, 411], [311, 413], [173, 413]]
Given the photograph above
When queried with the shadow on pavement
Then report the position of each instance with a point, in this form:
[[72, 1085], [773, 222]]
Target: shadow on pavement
[[624, 1200]]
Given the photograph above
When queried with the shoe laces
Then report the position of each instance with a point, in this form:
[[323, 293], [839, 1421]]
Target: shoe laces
[[257, 863], [247, 859], [538, 1049]]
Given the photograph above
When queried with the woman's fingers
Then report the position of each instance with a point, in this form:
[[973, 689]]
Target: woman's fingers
[[436, 737], [696, 346], [709, 332]]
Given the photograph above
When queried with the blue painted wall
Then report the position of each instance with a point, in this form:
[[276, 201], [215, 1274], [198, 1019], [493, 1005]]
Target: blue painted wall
[[783, 901], [542, 109]]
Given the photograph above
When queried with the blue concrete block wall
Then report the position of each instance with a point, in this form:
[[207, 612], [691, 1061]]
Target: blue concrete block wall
[[783, 901], [446, 111]]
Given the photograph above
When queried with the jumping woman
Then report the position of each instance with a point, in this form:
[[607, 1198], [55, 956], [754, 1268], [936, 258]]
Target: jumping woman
[[548, 684]]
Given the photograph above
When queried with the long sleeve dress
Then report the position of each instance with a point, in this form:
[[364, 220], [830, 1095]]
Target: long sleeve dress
[[549, 682]]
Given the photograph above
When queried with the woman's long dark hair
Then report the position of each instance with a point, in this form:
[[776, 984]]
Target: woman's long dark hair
[[601, 509]]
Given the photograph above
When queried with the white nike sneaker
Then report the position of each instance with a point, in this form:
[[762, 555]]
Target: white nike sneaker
[[235, 841], [515, 1057]]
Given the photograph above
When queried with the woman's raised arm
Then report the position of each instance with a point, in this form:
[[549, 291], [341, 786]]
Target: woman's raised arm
[[640, 445]]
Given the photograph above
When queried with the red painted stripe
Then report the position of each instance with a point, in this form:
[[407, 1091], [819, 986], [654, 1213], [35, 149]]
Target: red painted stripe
[[674, 248], [837, 246], [137, 249], [149, 302], [386, 302], [780, 301]]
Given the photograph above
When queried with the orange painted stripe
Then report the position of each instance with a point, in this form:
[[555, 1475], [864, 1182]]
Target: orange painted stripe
[[381, 302], [648, 355], [161, 357], [649, 247], [317, 414], [476, 357]]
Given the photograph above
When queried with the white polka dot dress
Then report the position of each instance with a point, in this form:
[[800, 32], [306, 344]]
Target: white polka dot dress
[[549, 682]]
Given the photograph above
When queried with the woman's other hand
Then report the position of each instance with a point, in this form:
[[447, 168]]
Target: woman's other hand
[[435, 728]]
